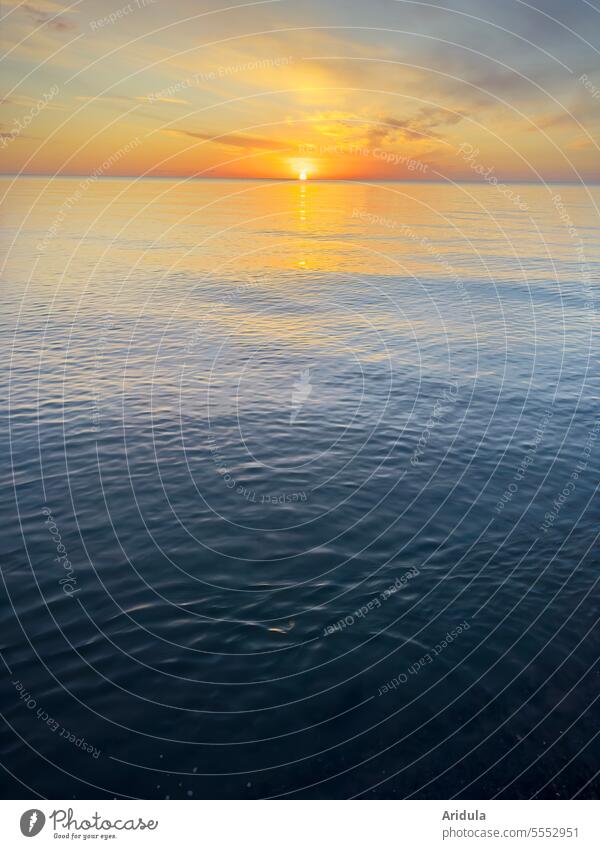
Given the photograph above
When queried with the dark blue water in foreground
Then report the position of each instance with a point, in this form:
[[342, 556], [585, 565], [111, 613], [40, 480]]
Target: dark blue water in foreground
[[301, 492]]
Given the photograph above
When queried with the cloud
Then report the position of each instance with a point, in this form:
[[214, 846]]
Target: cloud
[[49, 18], [13, 136], [151, 98], [425, 124], [423, 127], [108, 98], [25, 102], [237, 140], [582, 143], [43, 6]]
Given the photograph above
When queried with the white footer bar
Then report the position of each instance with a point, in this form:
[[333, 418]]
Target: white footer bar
[[301, 824]]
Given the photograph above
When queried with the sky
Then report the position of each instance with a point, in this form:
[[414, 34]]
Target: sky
[[336, 89]]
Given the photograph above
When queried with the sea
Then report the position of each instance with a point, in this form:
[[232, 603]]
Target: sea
[[300, 489]]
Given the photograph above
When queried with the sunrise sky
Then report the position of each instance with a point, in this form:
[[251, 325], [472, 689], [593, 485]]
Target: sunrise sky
[[385, 89]]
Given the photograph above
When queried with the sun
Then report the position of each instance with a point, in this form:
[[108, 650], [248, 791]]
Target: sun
[[300, 168]]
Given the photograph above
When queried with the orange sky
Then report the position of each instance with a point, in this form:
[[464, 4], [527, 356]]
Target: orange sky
[[385, 90]]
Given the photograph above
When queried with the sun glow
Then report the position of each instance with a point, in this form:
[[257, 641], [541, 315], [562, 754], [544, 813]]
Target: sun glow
[[301, 168]]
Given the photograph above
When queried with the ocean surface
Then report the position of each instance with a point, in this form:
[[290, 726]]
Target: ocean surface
[[299, 490]]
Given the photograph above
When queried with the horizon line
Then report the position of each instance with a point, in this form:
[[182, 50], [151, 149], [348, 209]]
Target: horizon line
[[595, 181]]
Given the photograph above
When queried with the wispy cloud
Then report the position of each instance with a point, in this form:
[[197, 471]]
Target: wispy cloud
[[237, 140], [45, 14], [153, 99]]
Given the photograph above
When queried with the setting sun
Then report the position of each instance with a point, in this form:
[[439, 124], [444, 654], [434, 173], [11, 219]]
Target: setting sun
[[302, 175]]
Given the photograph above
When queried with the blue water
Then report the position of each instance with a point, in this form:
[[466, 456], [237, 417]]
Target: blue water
[[267, 445]]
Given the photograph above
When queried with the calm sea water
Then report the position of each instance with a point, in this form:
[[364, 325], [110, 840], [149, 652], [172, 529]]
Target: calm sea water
[[301, 490]]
